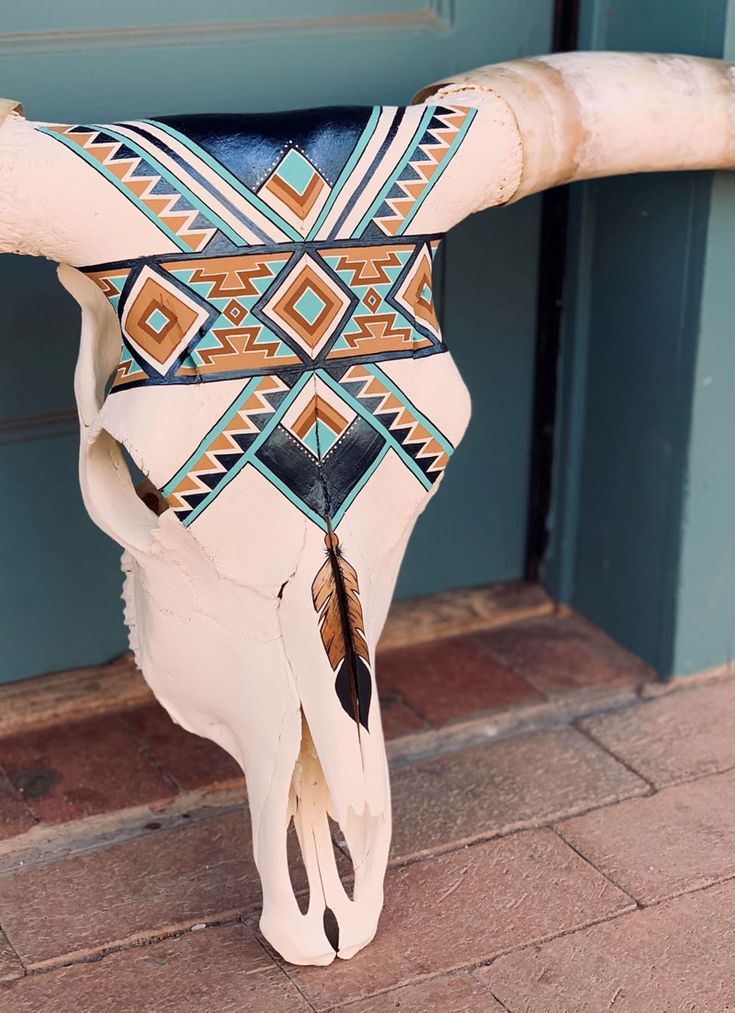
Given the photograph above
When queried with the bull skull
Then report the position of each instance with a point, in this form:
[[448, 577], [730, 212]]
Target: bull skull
[[258, 334]]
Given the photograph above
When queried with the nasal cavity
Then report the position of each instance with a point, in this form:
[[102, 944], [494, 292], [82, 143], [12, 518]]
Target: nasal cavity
[[331, 928]]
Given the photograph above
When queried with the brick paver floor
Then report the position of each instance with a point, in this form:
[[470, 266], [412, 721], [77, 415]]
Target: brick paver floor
[[564, 842]]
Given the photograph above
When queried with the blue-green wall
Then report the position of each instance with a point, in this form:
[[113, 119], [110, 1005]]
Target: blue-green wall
[[643, 483], [70, 61]]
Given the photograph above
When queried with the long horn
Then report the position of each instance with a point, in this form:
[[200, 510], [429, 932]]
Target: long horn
[[582, 115]]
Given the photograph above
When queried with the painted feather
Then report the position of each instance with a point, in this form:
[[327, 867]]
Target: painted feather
[[336, 596]]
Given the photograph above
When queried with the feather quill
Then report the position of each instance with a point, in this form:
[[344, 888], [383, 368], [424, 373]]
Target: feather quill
[[336, 596]]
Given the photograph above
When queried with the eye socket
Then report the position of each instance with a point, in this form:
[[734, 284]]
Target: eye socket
[[145, 490], [151, 496]]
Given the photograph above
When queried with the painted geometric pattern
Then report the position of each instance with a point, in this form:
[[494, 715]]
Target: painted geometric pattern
[[293, 264], [162, 199], [223, 317], [296, 189], [439, 135], [191, 193], [317, 438], [226, 449]]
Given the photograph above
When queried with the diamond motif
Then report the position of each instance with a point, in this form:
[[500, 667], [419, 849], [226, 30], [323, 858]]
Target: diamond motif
[[309, 306], [318, 418], [295, 188], [160, 320], [414, 296], [235, 312], [372, 299]]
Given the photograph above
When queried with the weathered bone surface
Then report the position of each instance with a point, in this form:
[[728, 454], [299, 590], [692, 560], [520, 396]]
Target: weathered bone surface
[[258, 334]]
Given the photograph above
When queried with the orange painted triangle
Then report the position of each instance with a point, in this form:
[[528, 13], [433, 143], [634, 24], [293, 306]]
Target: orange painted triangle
[[187, 484], [197, 240], [405, 418], [414, 189], [254, 403], [123, 167], [83, 139], [427, 169], [443, 134], [175, 219], [432, 447], [375, 387], [159, 205], [454, 120], [390, 403], [205, 463], [139, 185], [220, 444], [390, 225], [401, 205], [102, 151]]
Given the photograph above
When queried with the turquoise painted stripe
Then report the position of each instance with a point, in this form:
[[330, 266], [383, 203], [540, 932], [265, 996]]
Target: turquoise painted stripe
[[347, 171], [227, 177], [212, 434], [359, 487], [440, 438], [432, 182], [362, 410], [180, 187], [247, 456], [119, 186], [298, 503], [368, 217]]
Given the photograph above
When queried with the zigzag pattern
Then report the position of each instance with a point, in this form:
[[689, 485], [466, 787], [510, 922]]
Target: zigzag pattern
[[111, 283], [386, 407], [236, 339], [376, 330], [414, 181], [244, 343], [376, 326], [373, 266], [223, 448], [128, 370], [230, 277], [142, 182]]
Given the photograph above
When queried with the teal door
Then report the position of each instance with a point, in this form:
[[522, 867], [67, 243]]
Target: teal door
[[60, 594]]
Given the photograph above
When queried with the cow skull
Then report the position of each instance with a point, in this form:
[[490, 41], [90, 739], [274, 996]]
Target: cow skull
[[259, 337]]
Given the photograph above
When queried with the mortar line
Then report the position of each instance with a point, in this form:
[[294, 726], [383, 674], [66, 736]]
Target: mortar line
[[132, 823], [242, 918], [591, 864], [611, 752]]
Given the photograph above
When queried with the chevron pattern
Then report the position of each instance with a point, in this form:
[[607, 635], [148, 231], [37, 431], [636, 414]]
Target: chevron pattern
[[222, 452], [419, 439], [110, 283], [141, 183], [236, 341], [444, 130], [378, 324]]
